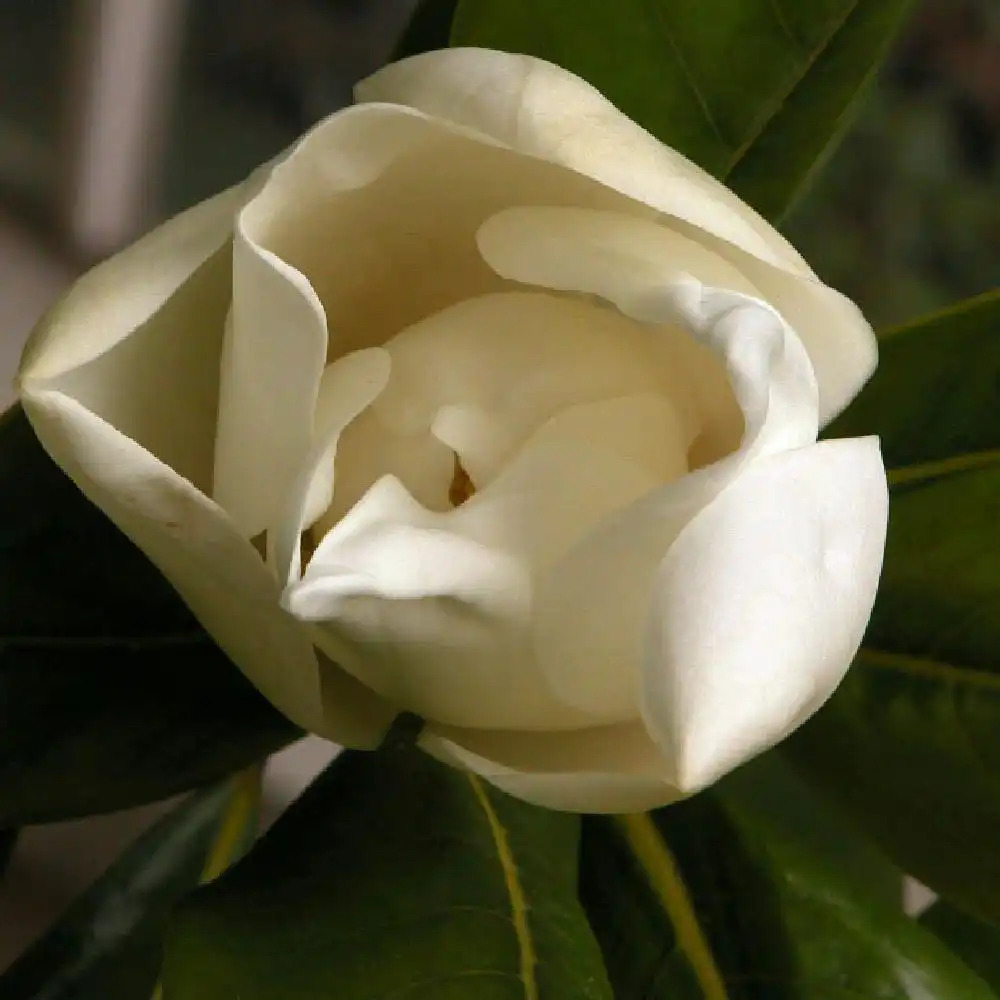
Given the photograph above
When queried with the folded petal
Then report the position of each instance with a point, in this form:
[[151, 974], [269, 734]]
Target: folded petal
[[195, 545], [760, 606], [601, 770], [591, 604], [631, 262], [346, 387], [839, 340], [430, 620], [272, 361]]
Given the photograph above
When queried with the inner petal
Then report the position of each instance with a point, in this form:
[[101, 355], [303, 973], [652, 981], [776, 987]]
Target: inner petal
[[433, 609], [582, 465], [631, 263], [475, 381], [485, 373]]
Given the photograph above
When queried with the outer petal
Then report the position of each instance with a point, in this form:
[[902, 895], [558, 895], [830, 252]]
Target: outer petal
[[599, 770], [378, 207], [119, 295], [216, 571], [578, 633], [539, 109], [761, 604], [152, 316], [159, 386]]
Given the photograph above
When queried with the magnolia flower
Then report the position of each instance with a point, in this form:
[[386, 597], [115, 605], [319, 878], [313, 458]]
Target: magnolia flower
[[483, 404]]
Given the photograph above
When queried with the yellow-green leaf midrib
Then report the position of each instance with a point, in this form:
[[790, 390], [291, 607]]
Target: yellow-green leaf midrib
[[662, 871], [515, 891]]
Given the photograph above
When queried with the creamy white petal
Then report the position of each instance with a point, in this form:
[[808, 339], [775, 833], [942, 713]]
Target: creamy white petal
[[370, 450], [378, 207], [631, 263], [602, 770], [761, 604], [193, 543], [647, 272], [429, 619], [159, 386], [542, 110], [840, 341], [769, 369], [121, 294], [347, 386], [353, 715], [272, 362], [486, 372], [619, 257], [437, 605], [581, 466], [591, 605]]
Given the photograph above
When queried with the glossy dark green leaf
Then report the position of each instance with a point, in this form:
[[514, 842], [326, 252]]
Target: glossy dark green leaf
[[975, 941], [394, 876], [755, 889], [910, 743], [109, 944], [752, 90], [935, 397], [429, 28], [110, 693]]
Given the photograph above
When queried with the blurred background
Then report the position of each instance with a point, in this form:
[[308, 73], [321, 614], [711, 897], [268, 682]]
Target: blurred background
[[116, 113]]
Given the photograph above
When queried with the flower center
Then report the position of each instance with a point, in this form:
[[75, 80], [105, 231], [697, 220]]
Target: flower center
[[462, 487]]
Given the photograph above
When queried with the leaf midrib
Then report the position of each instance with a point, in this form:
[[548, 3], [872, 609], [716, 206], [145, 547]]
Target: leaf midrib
[[515, 890], [656, 859], [773, 108], [930, 669]]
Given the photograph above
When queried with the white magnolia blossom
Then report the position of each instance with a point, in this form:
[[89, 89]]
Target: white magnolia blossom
[[483, 404]]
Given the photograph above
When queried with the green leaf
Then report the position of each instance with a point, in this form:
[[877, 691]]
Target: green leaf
[[909, 743], [109, 944], [975, 941], [755, 889], [428, 28], [752, 90], [110, 693], [935, 396], [394, 876]]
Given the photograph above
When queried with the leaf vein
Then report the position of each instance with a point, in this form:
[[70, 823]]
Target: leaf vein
[[773, 107], [937, 670], [657, 14], [518, 900], [660, 866]]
